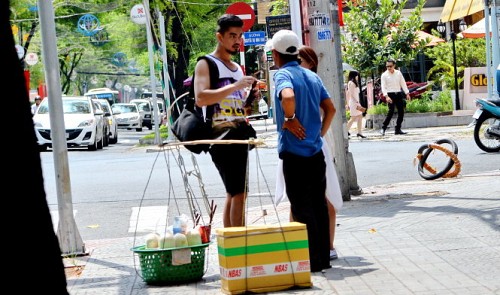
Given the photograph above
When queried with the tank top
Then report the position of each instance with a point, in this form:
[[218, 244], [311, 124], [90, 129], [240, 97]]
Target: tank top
[[229, 108]]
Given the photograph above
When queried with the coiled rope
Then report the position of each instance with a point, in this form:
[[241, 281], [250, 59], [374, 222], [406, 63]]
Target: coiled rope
[[425, 150]]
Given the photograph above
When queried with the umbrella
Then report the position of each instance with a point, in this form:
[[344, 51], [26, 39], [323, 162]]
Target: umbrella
[[347, 67], [421, 35], [477, 30], [433, 40]]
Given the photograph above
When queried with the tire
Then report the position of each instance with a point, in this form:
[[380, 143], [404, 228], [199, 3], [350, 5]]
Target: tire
[[138, 129], [93, 147], [426, 150], [484, 140], [100, 144], [105, 139], [114, 140]]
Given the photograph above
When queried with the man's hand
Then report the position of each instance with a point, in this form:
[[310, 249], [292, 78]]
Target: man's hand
[[388, 99], [295, 128], [245, 82]]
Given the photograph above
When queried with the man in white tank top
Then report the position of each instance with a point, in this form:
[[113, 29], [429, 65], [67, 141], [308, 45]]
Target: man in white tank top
[[229, 120]]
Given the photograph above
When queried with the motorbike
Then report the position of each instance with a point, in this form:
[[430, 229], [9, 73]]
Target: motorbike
[[486, 122], [416, 90]]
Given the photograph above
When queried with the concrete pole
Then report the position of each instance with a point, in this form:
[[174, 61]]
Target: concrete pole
[[70, 241], [152, 76], [323, 33], [166, 76]]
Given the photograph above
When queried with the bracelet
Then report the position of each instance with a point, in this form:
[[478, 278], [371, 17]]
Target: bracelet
[[291, 118]]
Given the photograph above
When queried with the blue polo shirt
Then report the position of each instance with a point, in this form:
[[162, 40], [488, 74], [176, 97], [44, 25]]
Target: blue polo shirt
[[309, 92]]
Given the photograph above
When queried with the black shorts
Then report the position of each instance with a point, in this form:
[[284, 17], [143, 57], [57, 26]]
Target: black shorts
[[231, 162]]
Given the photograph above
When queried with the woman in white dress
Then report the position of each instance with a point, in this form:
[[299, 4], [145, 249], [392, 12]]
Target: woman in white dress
[[355, 108]]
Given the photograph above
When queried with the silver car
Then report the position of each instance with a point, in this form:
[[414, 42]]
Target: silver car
[[127, 116]]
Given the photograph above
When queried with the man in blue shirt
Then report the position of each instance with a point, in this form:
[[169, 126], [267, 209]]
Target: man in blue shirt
[[299, 98]]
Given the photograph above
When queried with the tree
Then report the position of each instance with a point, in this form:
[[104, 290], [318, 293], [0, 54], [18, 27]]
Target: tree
[[376, 31], [442, 73]]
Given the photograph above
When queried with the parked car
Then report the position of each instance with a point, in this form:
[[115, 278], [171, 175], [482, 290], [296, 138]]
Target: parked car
[[127, 116], [110, 117], [105, 124], [146, 108], [160, 99], [261, 112], [83, 122]]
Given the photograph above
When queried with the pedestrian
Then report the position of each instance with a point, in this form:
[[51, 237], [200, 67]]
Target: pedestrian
[[309, 60], [355, 108], [229, 119], [304, 112], [34, 106], [393, 85]]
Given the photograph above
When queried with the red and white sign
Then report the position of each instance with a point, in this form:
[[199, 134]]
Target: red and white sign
[[31, 58], [243, 11], [138, 14]]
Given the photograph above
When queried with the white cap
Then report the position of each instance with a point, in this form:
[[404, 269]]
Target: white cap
[[285, 42]]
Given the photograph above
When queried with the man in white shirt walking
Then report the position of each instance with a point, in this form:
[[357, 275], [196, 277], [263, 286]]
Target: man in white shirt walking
[[393, 86]]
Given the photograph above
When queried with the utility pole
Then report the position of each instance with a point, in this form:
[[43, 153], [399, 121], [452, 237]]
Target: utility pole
[[70, 241], [322, 32]]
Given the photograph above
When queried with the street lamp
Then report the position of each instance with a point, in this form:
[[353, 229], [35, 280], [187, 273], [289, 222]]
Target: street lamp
[[453, 36]]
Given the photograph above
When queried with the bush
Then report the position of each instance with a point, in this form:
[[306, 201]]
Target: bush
[[424, 104], [379, 109], [163, 133]]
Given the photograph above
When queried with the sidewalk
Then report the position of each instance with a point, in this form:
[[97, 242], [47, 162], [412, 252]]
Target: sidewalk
[[421, 237]]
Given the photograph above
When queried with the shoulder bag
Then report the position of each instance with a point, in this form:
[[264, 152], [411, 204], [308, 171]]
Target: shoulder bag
[[191, 125]]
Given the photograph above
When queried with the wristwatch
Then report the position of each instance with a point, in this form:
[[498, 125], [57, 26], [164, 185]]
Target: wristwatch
[[291, 118]]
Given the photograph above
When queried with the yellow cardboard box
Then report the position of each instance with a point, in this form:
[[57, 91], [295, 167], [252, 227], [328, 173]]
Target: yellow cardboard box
[[263, 258]]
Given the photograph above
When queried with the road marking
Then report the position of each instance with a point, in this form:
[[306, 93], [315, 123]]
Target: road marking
[[148, 219]]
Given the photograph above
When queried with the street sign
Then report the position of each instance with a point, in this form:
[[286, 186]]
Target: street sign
[[138, 14], [278, 22], [243, 11], [31, 58], [254, 38]]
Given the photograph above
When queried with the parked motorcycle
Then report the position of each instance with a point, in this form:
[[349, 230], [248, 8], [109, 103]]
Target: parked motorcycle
[[487, 124], [416, 90]]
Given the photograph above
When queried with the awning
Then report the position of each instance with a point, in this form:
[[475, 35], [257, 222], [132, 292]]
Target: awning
[[455, 9], [477, 30]]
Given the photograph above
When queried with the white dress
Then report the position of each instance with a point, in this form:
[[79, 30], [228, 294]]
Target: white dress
[[352, 94], [333, 192]]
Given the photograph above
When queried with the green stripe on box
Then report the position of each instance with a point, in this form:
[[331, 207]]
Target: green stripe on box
[[228, 252]]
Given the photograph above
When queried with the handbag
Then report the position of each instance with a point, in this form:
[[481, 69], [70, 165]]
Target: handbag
[[191, 125], [361, 108]]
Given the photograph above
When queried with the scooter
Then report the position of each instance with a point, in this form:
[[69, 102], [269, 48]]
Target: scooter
[[486, 122]]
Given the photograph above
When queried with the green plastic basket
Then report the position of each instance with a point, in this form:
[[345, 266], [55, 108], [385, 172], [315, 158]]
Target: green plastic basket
[[157, 268]]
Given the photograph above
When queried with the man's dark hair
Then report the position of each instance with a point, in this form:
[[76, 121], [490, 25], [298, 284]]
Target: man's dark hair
[[288, 58], [227, 21]]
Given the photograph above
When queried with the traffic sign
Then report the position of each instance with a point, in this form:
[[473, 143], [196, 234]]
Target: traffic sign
[[254, 38], [243, 11]]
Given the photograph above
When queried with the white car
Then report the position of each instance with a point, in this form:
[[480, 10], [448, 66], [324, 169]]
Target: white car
[[110, 116], [146, 108], [127, 116], [83, 122]]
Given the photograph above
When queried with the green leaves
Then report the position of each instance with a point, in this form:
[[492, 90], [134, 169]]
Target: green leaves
[[376, 31]]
